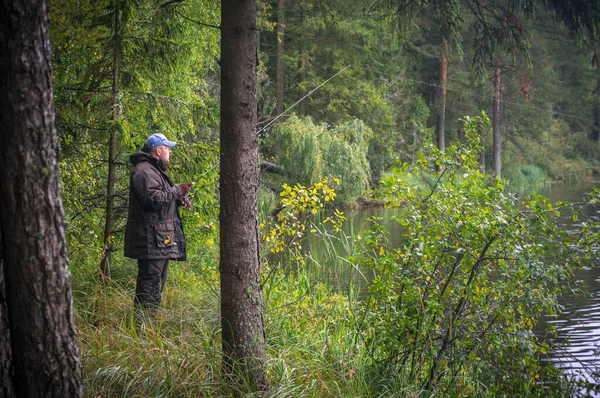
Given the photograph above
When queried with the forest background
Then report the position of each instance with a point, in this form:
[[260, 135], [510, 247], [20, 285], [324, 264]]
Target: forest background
[[125, 69]]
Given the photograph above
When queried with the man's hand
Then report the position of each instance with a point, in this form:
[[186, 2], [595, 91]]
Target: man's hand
[[186, 188], [186, 202]]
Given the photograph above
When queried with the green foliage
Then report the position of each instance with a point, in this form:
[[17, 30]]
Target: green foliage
[[523, 176], [299, 206], [453, 308], [198, 162], [321, 39], [553, 156], [310, 152], [162, 60]]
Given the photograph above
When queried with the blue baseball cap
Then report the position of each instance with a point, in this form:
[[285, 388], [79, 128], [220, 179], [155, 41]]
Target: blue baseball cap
[[158, 139]]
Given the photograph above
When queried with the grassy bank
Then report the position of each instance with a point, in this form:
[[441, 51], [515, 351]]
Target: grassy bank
[[313, 345]]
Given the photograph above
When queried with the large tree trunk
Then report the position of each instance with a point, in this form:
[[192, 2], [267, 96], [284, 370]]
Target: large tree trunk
[[280, 67], [112, 158], [242, 305], [497, 167], [441, 125], [37, 306]]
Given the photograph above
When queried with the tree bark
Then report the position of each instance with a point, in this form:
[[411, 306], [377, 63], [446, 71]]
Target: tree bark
[[112, 158], [6, 368], [497, 169], [242, 307], [37, 306], [280, 67], [441, 125]]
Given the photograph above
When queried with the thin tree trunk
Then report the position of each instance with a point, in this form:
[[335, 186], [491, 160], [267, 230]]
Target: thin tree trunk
[[414, 147], [112, 159], [301, 71], [280, 67], [301, 79], [595, 65], [497, 170], [36, 305], [482, 153], [598, 105], [441, 125], [242, 305]]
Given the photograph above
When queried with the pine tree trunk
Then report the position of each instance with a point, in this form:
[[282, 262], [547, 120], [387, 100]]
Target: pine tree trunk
[[280, 68], [497, 170], [242, 305], [36, 305], [6, 369], [441, 125], [301, 70], [598, 105], [112, 160], [301, 79]]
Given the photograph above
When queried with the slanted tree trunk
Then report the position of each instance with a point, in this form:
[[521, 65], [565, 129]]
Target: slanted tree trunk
[[112, 158], [441, 124], [280, 67], [497, 168], [36, 310], [242, 305]]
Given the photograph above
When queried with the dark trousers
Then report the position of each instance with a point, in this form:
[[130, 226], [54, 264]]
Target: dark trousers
[[151, 278]]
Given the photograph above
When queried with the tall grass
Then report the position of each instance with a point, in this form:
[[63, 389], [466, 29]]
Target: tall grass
[[313, 349], [523, 176], [313, 328], [174, 353]]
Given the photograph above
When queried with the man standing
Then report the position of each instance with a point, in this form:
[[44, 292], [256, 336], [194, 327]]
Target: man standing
[[154, 234]]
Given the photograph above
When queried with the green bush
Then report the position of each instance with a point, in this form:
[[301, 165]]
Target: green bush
[[310, 152], [524, 175], [452, 310]]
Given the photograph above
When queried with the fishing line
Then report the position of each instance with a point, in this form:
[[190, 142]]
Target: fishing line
[[301, 99], [284, 112]]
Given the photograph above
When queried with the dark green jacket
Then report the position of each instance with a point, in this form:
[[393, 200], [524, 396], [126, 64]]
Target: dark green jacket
[[153, 229]]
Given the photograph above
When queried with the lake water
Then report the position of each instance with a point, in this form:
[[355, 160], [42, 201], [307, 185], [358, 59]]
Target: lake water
[[578, 324]]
